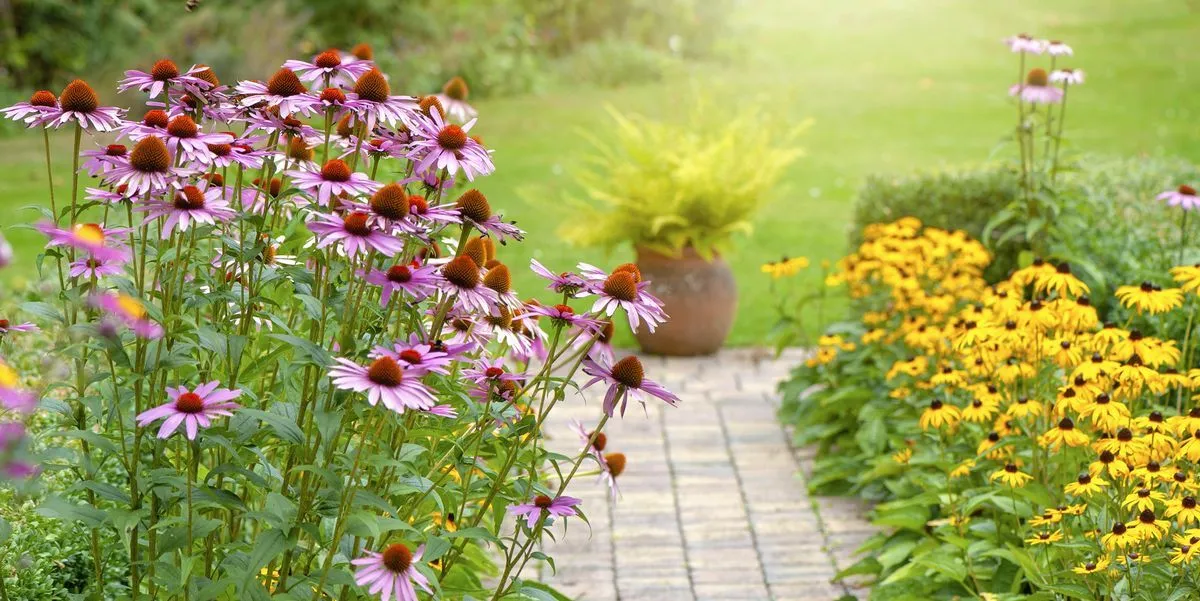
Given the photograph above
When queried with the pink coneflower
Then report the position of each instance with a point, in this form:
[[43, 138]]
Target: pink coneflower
[[7, 327], [487, 372], [419, 207], [461, 277], [1024, 43], [1072, 77], [443, 411], [270, 121], [239, 152], [612, 466], [542, 505], [391, 206], [499, 325], [454, 100], [376, 102], [567, 283], [148, 169], [561, 315], [416, 357], [165, 73], [384, 380], [92, 267], [595, 448], [1037, 88], [1058, 48], [334, 179], [625, 290], [193, 409], [199, 204], [418, 281], [103, 160], [185, 138], [79, 103], [39, 105], [356, 233], [336, 102], [127, 310], [476, 211], [284, 90], [91, 238], [602, 350], [329, 68], [1183, 197], [438, 145], [625, 378], [153, 123], [391, 574]]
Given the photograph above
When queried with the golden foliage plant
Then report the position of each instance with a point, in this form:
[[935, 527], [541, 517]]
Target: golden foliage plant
[[668, 186]]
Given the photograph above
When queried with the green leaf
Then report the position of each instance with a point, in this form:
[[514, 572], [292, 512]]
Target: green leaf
[[283, 427], [541, 592], [267, 546], [54, 506], [43, 310], [435, 547], [5, 531]]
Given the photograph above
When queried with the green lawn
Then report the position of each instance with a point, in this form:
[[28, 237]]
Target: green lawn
[[892, 85]]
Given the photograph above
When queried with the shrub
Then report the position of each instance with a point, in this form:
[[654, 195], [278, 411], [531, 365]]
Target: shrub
[[612, 62], [281, 356]]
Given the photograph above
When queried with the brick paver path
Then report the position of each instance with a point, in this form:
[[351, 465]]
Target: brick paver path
[[714, 505]]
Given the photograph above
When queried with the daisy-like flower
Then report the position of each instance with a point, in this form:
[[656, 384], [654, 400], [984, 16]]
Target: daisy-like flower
[[334, 179], [1064, 433], [1148, 527], [147, 170], [1142, 499], [129, 311], [566, 282], [1010, 475], [376, 103], [192, 409], [626, 290], [561, 315], [1097, 566], [416, 280], [454, 100], [1058, 48], [1150, 298], [383, 380], [1070, 77], [939, 414], [438, 145], [328, 67], [1060, 282], [1085, 486], [1184, 510], [1183, 197], [103, 160], [1188, 278], [461, 277], [79, 103], [626, 378], [602, 350], [185, 139], [191, 204], [391, 574], [594, 447], [784, 267], [542, 505], [1037, 88], [1024, 43], [417, 358], [239, 152], [1044, 538], [7, 327], [611, 468], [284, 91], [475, 211], [91, 238], [355, 232], [166, 73], [93, 267], [39, 104]]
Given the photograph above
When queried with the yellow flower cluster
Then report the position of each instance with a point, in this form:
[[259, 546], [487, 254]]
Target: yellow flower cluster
[[1026, 383]]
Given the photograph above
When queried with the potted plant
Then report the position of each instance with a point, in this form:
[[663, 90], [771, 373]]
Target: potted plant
[[678, 193]]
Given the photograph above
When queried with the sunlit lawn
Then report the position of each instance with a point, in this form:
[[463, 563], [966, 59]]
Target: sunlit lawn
[[892, 85]]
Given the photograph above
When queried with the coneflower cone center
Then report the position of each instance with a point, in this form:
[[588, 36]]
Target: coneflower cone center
[[452, 137], [43, 98], [155, 118], [499, 279], [373, 86], [150, 155], [397, 558], [390, 201], [1037, 77], [335, 170], [182, 127], [616, 463], [115, 150], [629, 372], [462, 272], [410, 356], [298, 149], [207, 75], [600, 441], [189, 198], [4, 323], [606, 332], [621, 286], [363, 52], [164, 70], [385, 372], [1187, 190], [543, 501], [189, 402], [328, 59], [333, 95], [456, 88], [356, 223], [399, 274], [427, 104], [631, 269], [79, 97], [285, 83], [474, 206], [475, 250]]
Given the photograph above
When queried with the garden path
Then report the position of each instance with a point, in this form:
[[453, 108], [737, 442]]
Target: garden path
[[714, 504]]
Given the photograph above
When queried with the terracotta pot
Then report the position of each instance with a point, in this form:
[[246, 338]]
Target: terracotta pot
[[699, 296]]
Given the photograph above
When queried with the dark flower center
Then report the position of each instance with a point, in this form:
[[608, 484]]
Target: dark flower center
[[542, 501], [189, 402], [1037, 77], [78, 97], [1146, 517], [336, 170], [182, 127], [475, 250], [43, 98], [372, 86], [1066, 424], [150, 155], [474, 206], [221, 150], [206, 75], [156, 118], [397, 558], [493, 372], [1118, 529], [410, 356], [1187, 190], [621, 286], [298, 149], [629, 372], [499, 279], [190, 198], [1089, 566], [328, 59], [1010, 468], [456, 88], [385, 372], [1084, 479], [4, 323], [399, 274], [164, 70], [356, 223], [601, 440], [391, 202], [564, 309], [462, 272], [363, 52], [428, 104], [1124, 435], [1188, 502], [285, 83], [631, 269], [115, 150], [333, 95], [452, 137]]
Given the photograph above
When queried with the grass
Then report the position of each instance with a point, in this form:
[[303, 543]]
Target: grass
[[893, 86]]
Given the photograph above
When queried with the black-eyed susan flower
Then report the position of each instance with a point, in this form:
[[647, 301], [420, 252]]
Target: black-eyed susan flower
[[1151, 473], [1123, 445], [1148, 527], [948, 376], [1085, 485], [1120, 537], [785, 267], [1184, 510], [903, 456], [1045, 538], [1010, 475], [1087, 568], [963, 469], [1060, 281], [1109, 463], [1143, 499], [1095, 367], [1184, 554], [1048, 517], [1064, 433], [1187, 276], [1105, 413], [940, 414], [979, 411], [1025, 407], [1150, 298]]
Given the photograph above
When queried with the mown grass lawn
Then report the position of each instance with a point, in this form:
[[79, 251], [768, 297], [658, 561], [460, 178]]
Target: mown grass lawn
[[892, 85]]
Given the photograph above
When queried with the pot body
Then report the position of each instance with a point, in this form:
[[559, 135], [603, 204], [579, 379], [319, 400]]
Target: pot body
[[700, 298]]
